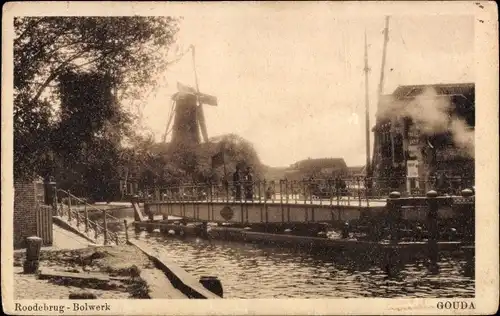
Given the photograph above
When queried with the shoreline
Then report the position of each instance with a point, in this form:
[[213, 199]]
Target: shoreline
[[75, 267]]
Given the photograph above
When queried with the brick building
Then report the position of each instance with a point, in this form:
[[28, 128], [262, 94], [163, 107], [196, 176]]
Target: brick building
[[410, 152], [32, 217], [318, 168]]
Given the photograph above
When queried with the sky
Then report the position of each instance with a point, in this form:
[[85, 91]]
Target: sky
[[293, 84]]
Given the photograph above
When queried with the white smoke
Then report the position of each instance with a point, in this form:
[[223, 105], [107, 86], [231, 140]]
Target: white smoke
[[463, 136], [432, 114]]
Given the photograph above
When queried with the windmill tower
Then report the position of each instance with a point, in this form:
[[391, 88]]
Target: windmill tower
[[187, 113], [189, 126]]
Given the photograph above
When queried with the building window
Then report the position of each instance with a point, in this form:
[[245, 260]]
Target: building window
[[398, 149]]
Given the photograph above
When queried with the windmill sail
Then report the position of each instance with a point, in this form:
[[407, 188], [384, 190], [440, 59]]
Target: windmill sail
[[207, 99], [169, 122], [201, 120]]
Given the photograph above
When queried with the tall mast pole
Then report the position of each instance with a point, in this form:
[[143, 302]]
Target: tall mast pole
[[381, 81], [194, 68], [367, 111], [384, 54], [199, 109]]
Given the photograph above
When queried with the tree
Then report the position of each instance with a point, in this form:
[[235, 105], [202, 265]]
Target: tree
[[87, 138], [238, 151], [130, 50]]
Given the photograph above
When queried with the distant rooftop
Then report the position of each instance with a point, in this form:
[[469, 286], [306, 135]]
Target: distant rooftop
[[319, 163]]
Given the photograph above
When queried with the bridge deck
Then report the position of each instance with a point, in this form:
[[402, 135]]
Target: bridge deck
[[353, 202]]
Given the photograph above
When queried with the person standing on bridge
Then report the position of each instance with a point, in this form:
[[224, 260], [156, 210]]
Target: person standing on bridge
[[236, 183], [248, 184]]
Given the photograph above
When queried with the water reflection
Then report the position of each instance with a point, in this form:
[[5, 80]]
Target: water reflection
[[266, 271]]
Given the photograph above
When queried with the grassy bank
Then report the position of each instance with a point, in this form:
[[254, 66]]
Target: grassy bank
[[122, 265]]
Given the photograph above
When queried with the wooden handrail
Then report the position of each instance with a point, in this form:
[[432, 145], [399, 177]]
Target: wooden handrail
[[109, 236]]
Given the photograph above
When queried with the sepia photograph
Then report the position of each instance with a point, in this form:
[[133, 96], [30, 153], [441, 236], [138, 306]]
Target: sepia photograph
[[255, 151]]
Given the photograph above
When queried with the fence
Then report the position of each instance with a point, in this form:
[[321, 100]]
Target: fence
[[340, 191], [44, 224], [77, 210]]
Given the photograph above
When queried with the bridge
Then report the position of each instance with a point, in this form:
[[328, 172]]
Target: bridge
[[248, 205]]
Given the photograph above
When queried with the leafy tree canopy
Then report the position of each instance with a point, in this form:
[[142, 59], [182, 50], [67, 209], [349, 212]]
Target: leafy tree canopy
[[128, 51]]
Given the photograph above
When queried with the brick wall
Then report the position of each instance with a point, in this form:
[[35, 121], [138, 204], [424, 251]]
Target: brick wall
[[27, 197]]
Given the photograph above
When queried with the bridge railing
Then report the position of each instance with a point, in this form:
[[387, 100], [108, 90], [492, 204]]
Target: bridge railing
[[76, 210], [357, 190]]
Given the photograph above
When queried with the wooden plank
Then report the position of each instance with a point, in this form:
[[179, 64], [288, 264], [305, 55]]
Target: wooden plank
[[159, 285], [46, 273]]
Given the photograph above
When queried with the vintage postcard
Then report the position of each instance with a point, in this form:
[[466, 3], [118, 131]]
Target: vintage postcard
[[258, 158]]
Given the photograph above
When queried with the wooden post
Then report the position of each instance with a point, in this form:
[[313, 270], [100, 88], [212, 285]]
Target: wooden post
[[359, 190], [286, 190], [432, 215], [432, 222], [69, 205], [468, 224], [394, 215], [304, 193], [96, 234], [338, 182], [86, 219], [117, 241], [54, 203], [105, 228], [296, 192], [126, 229], [320, 197], [77, 215], [330, 191], [31, 264], [281, 202], [367, 191], [310, 191], [259, 191]]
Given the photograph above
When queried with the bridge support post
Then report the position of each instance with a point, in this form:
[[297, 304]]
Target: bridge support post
[[345, 230], [394, 215], [432, 222], [432, 215], [467, 223]]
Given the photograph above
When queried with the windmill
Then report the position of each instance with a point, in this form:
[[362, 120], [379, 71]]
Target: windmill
[[187, 113]]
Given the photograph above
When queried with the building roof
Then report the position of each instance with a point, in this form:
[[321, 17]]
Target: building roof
[[320, 163], [442, 89]]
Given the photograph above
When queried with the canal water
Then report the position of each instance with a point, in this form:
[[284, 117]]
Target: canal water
[[254, 271], [258, 271]]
